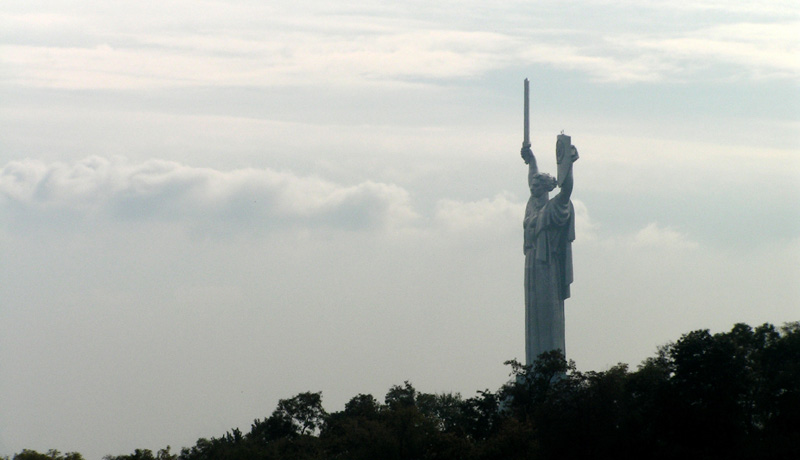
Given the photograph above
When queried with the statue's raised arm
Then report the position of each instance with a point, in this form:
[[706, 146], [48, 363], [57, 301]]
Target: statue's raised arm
[[530, 160], [566, 155]]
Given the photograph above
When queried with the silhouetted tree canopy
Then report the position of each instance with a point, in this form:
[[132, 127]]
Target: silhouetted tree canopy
[[732, 395], [51, 454]]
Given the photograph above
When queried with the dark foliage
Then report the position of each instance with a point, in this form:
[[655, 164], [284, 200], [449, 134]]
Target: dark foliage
[[733, 395], [51, 454]]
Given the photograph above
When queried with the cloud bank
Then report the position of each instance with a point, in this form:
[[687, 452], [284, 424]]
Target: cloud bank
[[170, 191], [250, 200]]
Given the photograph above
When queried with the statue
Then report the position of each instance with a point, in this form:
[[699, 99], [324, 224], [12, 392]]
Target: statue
[[549, 229]]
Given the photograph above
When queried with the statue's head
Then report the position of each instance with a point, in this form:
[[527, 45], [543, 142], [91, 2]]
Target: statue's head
[[541, 183]]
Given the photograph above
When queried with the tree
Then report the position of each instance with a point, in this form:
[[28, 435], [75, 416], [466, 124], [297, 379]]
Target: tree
[[401, 396], [297, 416], [445, 409], [52, 454], [305, 411], [778, 401], [481, 415], [362, 406], [532, 385], [709, 399], [359, 431]]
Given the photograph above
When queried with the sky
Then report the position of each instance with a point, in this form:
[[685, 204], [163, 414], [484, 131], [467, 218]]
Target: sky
[[206, 206]]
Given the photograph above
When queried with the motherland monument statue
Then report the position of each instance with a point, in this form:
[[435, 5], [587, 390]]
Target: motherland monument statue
[[549, 229]]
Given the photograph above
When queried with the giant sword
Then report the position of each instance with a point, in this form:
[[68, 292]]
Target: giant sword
[[526, 141]]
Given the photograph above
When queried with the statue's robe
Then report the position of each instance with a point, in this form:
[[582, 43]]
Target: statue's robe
[[549, 232]]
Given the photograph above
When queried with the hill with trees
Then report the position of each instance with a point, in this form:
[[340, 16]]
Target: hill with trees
[[731, 395]]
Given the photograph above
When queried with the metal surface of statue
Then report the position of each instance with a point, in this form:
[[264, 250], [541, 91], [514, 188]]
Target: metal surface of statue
[[549, 229]]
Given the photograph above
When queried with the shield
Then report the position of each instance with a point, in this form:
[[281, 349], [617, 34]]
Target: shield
[[563, 157]]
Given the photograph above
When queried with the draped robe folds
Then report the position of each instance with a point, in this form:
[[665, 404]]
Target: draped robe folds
[[549, 232]]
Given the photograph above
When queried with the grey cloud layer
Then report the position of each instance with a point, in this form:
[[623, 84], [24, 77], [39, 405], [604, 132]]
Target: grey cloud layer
[[275, 46]]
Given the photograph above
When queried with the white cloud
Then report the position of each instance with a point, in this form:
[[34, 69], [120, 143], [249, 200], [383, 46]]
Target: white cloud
[[282, 59], [780, 8], [764, 50], [585, 228], [475, 216], [171, 191], [655, 236]]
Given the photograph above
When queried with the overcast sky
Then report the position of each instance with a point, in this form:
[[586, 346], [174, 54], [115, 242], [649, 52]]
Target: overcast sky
[[206, 206]]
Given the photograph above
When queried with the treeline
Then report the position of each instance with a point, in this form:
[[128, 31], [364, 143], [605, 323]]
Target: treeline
[[733, 395]]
